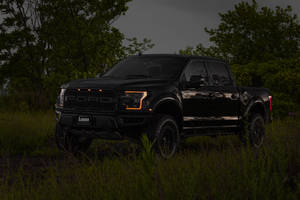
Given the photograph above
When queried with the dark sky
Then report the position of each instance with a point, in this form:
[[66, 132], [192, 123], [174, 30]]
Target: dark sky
[[175, 24]]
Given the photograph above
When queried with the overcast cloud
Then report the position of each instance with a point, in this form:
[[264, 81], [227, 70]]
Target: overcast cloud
[[175, 24]]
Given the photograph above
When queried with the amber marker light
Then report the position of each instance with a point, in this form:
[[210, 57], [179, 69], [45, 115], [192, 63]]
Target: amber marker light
[[78, 89], [141, 100], [89, 90], [100, 90]]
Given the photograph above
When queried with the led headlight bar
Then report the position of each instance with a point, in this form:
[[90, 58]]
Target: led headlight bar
[[133, 100]]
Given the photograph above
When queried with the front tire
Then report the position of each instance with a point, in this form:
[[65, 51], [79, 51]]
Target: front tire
[[165, 135], [77, 144], [60, 137], [66, 141]]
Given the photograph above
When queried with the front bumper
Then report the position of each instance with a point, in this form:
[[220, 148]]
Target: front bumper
[[103, 125]]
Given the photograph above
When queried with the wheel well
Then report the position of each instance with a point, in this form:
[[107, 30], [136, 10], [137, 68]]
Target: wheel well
[[257, 108], [170, 108]]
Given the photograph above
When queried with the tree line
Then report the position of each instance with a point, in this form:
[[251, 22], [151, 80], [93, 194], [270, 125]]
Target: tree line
[[262, 45], [44, 43]]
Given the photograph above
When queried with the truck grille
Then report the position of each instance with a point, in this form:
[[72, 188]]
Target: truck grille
[[91, 99]]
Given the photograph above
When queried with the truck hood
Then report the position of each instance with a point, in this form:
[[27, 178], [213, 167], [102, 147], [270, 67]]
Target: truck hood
[[111, 83]]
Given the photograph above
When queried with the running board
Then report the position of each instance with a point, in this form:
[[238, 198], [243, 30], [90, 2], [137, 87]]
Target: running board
[[211, 127], [211, 130]]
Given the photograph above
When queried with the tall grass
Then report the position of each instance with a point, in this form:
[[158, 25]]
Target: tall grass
[[25, 133], [205, 168]]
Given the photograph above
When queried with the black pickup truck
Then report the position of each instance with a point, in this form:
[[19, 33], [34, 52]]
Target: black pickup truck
[[167, 97]]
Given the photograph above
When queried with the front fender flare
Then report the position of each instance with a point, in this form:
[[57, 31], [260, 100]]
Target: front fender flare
[[165, 100]]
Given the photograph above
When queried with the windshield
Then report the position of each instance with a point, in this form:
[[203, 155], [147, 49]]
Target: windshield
[[148, 67]]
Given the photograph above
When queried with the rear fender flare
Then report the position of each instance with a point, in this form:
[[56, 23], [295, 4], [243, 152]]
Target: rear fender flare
[[255, 102]]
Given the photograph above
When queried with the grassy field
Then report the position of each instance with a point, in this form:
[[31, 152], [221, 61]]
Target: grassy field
[[31, 167]]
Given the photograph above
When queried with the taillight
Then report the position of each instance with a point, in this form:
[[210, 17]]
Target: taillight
[[270, 102]]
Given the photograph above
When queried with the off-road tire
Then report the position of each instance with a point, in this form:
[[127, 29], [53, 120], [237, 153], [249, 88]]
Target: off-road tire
[[60, 137], [164, 133], [77, 144], [254, 131], [68, 142]]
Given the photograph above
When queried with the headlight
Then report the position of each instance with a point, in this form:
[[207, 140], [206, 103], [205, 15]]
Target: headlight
[[61, 98], [133, 100]]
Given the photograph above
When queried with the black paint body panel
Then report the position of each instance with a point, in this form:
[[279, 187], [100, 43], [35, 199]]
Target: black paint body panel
[[201, 109]]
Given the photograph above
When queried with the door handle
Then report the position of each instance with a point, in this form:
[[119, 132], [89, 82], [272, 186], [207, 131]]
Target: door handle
[[216, 94]]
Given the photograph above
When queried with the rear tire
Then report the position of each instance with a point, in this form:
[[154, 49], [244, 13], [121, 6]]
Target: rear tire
[[255, 130], [164, 132]]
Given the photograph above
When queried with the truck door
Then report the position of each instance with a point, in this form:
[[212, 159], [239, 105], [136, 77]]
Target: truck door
[[195, 94], [223, 93]]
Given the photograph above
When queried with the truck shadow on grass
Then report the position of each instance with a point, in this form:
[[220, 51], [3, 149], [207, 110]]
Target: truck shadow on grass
[[100, 150], [103, 149]]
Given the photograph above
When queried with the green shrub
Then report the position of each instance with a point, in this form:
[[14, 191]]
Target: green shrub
[[282, 77]]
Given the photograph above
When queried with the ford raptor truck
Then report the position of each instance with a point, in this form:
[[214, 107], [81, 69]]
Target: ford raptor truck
[[167, 97]]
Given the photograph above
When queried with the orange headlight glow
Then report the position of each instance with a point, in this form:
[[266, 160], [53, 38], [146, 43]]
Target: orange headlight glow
[[144, 95]]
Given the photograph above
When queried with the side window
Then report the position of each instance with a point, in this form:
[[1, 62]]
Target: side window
[[219, 74], [195, 75]]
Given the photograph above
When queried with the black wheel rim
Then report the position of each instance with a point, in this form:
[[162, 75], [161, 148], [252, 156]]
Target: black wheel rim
[[167, 141], [257, 133]]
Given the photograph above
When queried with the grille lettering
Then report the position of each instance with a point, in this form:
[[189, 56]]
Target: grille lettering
[[104, 101]]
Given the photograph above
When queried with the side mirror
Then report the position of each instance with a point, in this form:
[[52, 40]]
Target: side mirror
[[203, 82], [197, 81]]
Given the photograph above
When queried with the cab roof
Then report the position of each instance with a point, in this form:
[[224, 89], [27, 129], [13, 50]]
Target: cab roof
[[189, 57]]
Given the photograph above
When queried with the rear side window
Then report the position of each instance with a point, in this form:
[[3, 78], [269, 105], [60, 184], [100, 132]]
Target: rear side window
[[219, 74]]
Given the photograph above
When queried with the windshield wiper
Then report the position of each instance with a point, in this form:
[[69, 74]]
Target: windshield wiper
[[137, 76]]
